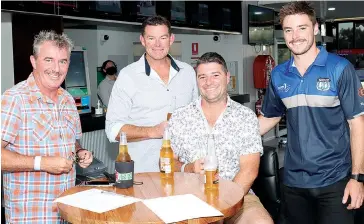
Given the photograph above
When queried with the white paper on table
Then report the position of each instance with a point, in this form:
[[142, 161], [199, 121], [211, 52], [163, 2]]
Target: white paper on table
[[97, 200], [180, 207]]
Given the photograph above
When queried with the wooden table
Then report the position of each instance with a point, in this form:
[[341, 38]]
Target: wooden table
[[228, 199]]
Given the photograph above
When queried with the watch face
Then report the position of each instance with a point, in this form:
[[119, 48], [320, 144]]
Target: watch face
[[361, 178]]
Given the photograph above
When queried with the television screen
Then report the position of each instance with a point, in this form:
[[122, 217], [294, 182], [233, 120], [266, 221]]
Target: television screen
[[108, 6], [146, 8], [226, 17], [178, 11], [76, 76], [261, 25], [203, 13]]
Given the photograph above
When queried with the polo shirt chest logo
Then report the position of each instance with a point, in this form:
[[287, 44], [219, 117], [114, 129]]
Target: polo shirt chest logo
[[284, 88], [323, 84]]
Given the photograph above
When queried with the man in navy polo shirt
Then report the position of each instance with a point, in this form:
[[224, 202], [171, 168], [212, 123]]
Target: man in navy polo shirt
[[320, 94]]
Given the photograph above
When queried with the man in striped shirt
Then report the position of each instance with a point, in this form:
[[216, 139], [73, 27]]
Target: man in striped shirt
[[40, 127]]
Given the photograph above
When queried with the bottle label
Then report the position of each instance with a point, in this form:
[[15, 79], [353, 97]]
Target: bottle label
[[166, 165], [122, 176]]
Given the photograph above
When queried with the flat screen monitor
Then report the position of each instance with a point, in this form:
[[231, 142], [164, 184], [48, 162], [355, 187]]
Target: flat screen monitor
[[146, 8], [178, 11], [108, 6], [226, 17], [203, 13], [77, 81], [261, 25], [76, 76]]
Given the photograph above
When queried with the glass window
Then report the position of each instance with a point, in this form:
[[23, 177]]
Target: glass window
[[359, 35], [178, 12], [346, 35]]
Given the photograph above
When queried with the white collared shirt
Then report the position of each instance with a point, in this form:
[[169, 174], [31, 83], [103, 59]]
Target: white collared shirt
[[144, 100]]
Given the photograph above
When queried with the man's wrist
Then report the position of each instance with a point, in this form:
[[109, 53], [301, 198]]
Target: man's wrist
[[79, 150], [358, 177], [183, 167]]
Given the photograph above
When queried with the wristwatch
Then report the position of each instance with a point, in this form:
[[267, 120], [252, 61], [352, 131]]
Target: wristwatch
[[358, 177]]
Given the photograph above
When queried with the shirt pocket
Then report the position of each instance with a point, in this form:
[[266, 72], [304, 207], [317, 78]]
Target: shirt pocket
[[71, 127], [42, 126]]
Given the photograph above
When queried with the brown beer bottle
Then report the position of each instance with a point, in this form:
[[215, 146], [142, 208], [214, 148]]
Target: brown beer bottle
[[123, 149], [166, 157]]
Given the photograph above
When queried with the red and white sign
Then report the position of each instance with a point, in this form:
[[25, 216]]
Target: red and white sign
[[194, 48]]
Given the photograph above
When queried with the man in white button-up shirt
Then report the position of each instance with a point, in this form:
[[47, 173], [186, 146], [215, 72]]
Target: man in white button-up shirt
[[144, 92]]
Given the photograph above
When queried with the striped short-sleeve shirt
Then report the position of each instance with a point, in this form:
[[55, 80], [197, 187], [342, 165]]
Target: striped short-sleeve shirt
[[34, 125]]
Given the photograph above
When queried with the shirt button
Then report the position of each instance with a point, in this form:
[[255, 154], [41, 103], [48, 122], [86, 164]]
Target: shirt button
[[301, 80]]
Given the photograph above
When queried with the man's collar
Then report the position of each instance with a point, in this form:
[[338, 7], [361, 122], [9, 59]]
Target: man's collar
[[320, 59], [35, 92], [197, 102], [147, 66]]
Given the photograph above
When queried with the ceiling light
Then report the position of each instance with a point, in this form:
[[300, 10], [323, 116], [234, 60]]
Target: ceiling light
[[258, 13], [331, 9]]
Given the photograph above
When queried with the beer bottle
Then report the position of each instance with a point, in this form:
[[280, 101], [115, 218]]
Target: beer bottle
[[123, 149], [168, 186], [166, 157], [210, 166]]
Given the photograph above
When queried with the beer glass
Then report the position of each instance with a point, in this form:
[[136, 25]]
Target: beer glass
[[210, 165]]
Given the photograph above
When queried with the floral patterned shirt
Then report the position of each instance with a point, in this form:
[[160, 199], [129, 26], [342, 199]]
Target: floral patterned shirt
[[235, 133]]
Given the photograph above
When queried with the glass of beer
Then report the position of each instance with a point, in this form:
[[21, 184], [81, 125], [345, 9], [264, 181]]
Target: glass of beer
[[211, 173]]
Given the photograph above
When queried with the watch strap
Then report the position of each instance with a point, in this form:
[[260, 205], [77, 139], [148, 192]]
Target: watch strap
[[357, 177]]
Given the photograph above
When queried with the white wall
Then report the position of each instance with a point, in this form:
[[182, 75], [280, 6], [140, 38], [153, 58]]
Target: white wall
[[120, 43], [7, 65], [229, 47]]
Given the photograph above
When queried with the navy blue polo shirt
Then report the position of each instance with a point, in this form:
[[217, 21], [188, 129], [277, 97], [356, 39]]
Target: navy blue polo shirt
[[317, 106]]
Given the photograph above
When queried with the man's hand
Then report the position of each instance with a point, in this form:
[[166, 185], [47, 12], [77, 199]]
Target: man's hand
[[356, 191], [195, 167], [55, 164], [158, 130], [86, 158]]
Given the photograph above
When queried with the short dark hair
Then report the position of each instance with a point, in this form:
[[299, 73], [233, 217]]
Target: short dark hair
[[211, 57], [155, 21], [105, 63], [298, 8]]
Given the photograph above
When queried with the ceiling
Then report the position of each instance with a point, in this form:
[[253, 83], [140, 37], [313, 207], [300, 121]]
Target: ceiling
[[343, 9]]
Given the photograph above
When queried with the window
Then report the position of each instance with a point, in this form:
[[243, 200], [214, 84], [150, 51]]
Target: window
[[346, 39], [359, 35]]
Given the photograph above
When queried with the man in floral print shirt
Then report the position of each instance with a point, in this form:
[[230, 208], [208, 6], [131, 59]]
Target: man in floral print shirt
[[235, 131]]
